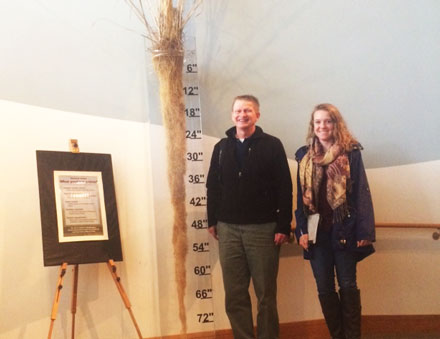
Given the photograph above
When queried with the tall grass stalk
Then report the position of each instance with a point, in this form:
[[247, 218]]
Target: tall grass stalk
[[165, 32]]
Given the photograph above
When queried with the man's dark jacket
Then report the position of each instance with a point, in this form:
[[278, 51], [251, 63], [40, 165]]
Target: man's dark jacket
[[259, 192]]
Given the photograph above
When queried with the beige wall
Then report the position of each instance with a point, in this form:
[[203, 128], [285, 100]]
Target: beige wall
[[26, 286], [401, 278], [87, 59]]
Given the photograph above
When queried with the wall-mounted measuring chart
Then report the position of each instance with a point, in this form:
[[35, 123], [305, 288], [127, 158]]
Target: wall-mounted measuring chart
[[200, 314]]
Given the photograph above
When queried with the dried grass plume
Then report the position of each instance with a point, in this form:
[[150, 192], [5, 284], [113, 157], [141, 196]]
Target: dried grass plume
[[165, 31]]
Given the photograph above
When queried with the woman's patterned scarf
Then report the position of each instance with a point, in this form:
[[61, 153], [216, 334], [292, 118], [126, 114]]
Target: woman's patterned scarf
[[311, 171]]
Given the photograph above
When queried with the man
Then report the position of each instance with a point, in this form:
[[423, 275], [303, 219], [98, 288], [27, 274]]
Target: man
[[249, 212]]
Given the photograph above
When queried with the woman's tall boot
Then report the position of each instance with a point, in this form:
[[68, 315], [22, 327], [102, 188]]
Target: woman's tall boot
[[331, 308], [351, 312]]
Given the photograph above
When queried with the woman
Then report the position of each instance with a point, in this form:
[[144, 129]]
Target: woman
[[332, 184]]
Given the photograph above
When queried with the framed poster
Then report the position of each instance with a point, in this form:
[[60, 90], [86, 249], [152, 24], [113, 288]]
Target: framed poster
[[79, 219], [79, 200]]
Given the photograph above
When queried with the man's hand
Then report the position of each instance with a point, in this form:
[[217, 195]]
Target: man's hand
[[280, 238], [362, 243], [213, 231]]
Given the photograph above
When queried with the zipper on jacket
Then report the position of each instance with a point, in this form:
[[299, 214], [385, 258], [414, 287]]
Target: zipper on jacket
[[246, 161]]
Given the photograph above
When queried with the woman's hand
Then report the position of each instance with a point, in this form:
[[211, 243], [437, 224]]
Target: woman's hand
[[362, 243], [304, 241]]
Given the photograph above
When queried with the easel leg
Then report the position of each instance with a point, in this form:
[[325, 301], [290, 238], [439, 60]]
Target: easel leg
[[74, 297], [56, 301], [112, 267]]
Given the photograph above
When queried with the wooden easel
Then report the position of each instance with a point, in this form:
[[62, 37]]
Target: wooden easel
[[74, 148], [112, 267]]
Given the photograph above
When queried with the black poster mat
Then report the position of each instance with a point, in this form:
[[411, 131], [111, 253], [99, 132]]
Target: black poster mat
[[79, 218]]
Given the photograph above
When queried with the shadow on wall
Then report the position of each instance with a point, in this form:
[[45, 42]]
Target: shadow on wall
[[291, 250], [415, 241]]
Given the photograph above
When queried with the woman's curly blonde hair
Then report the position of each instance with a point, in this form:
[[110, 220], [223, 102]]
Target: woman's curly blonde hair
[[341, 134]]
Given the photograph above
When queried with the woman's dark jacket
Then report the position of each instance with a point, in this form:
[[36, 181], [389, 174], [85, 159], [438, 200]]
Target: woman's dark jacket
[[259, 192], [358, 224]]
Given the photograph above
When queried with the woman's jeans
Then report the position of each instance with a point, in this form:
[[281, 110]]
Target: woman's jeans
[[326, 259]]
